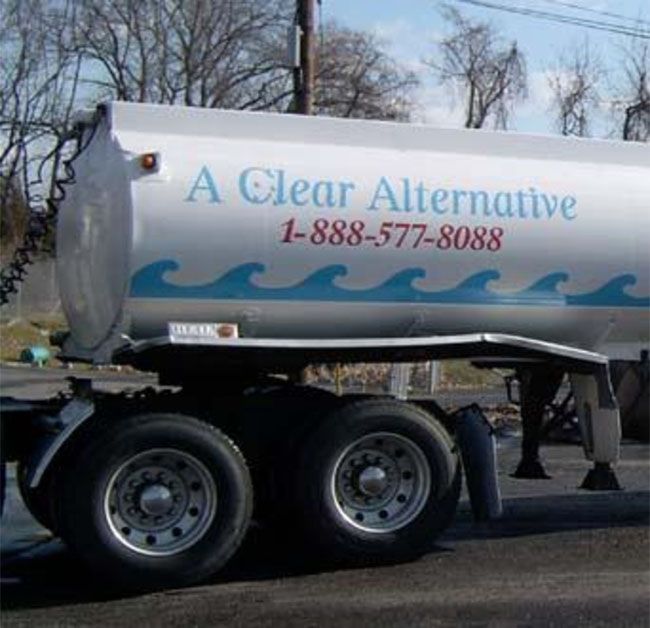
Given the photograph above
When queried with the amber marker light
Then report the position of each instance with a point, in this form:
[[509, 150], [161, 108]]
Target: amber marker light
[[149, 161], [227, 331]]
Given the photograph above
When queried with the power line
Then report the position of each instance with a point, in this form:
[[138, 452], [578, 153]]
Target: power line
[[616, 16], [619, 29]]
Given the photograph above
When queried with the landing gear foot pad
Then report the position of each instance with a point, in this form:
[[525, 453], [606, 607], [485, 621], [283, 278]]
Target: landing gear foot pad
[[601, 478], [530, 470]]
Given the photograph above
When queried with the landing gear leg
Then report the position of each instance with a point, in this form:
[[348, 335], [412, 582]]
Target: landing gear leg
[[538, 387], [601, 428]]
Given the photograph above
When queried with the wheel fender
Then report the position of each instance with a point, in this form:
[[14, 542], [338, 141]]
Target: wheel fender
[[71, 417]]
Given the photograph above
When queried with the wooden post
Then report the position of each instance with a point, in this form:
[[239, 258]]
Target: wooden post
[[305, 96]]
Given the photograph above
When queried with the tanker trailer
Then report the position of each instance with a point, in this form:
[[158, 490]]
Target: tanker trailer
[[225, 251]]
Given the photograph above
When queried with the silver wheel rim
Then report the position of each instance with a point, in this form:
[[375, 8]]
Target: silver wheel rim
[[381, 482], [160, 502]]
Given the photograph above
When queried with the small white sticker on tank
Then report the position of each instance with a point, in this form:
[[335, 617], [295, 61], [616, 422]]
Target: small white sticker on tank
[[200, 333]]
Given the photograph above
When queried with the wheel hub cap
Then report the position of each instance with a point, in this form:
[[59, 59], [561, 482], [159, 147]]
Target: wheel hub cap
[[381, 482], [373, 481], [156, 499], [160, 502]]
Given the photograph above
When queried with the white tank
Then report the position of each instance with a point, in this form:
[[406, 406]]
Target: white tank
[[295, 227]]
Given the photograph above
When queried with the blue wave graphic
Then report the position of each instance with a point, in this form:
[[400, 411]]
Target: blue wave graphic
[[239, 283]]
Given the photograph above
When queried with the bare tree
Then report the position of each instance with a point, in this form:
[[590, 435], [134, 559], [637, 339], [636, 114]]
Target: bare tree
[[574, 83], [631, 101], [488, 73], [38, 87], [13, 216], [232, 54], [357, 78], [219, 53]]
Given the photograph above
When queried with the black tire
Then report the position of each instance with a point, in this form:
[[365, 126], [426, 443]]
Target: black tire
[[333, 527], [271, 445], [197, 462]]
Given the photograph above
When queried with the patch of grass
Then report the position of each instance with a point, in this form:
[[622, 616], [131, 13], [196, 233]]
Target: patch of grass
[[461, 374], [20, 333], [375, 377]]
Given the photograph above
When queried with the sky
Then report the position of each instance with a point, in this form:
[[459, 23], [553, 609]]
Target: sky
[[411, 29]]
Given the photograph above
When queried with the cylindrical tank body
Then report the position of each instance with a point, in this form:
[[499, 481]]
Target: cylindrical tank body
[[294, 227]]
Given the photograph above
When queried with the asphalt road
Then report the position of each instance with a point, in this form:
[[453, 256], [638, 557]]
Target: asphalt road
[[559, 556]]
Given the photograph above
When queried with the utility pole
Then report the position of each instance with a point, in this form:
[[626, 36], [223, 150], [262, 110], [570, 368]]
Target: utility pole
[[301, 59], [304, 74]]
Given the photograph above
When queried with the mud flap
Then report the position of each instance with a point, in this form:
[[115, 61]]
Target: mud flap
[[477, 444]]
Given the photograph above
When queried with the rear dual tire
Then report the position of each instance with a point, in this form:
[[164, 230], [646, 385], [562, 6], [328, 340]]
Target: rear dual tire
[[156, 500], [377, 481], [159, 500]]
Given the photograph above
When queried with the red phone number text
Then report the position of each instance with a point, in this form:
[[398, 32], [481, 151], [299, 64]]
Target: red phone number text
[[415, 235]]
